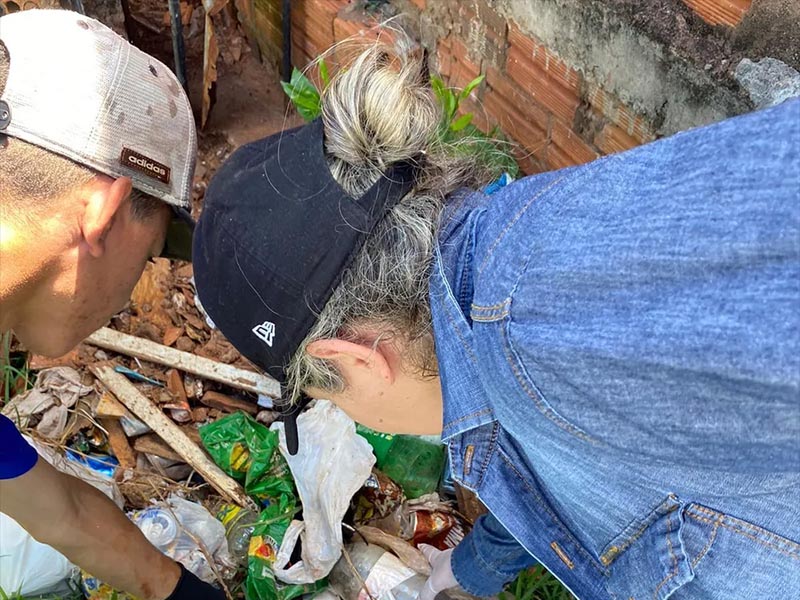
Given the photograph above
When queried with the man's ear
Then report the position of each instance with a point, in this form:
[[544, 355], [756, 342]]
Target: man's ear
[[353, 359], [103, 203]]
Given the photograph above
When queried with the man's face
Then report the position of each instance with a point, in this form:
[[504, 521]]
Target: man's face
[[87, 290]]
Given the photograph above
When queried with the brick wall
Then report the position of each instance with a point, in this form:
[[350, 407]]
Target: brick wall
[[720, 12], [557, 112]]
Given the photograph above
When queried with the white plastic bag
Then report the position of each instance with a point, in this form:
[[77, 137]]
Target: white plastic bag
[[28, 567], [175, 527], [31, 568], [331, 465]]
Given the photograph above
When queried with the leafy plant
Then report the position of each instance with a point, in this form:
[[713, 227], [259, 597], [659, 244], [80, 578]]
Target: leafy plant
[[456, 130], [536, 583], [459, 132], [304, 94]]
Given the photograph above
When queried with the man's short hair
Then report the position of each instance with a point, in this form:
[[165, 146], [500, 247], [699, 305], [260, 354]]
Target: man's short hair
[[30, 173]]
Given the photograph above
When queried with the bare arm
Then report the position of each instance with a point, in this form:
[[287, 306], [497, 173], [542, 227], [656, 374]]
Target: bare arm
[[88, 528]]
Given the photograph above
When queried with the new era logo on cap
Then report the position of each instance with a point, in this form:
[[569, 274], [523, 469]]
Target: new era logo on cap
[[265, 332]]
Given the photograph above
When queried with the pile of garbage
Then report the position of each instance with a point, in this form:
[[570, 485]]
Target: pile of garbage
[[207, 478]]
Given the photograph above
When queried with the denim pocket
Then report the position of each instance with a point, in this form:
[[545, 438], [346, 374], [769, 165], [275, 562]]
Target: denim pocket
[[687, 551], [732, 558]]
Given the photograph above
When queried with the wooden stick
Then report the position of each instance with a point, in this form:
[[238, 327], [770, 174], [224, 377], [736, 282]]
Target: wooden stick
[[150, 443], [142, 407], [131, 345], [119, 443]]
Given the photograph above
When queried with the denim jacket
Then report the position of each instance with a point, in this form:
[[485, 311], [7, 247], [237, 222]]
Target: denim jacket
[[619, 352]]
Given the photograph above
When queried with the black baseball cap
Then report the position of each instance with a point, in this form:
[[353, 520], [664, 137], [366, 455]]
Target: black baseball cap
[[276, 233]]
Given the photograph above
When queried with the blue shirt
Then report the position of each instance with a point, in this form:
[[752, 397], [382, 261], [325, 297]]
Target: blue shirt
[[17, 456], [619, 353]]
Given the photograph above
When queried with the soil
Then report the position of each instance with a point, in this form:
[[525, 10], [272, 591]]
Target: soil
[[771, 28]]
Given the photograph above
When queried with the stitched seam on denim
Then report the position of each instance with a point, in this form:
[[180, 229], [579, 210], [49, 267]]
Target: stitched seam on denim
[[788, 553], [546, 410], [478, 308], [461, 339], [674, 558], [651, 518], [513, 222], [489, 318], [479, 413], [755, 529], [552, 515], [489, 452], [707, 547]]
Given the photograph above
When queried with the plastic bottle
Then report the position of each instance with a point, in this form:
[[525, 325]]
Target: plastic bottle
[[384, 574], [239, 524]]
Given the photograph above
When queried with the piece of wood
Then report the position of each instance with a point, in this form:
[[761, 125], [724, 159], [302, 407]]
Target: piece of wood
[[119, 443], [143, 407], [150, 443], [109, 407], [228, 404], [183, 361]]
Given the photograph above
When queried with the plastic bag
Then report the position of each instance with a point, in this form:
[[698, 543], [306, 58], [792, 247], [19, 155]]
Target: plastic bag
[[331, 465], [28, 566], [175, 526], [31, 568], [268, 535], [248, 452]]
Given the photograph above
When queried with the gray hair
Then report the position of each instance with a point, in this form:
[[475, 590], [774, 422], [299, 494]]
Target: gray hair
[[380, 110]]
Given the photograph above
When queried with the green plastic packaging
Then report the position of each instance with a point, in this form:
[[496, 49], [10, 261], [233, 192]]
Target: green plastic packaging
[[380, 442], [265, 542], [248, 452], [415, 464]]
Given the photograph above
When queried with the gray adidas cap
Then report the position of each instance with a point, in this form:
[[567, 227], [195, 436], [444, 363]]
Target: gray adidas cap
[[78, 89]]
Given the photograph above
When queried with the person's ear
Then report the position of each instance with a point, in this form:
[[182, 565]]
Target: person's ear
[[102, 207], [353, 359]]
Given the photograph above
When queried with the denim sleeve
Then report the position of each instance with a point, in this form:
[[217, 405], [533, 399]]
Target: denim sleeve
[[488, 558]]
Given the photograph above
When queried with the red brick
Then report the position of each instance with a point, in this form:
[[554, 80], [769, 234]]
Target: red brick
[[544, 59], [528, 109], [620, 115], [554, 94], [613, 139], [516, 116], [463, 69], [444, 56], [566, 148], [420, 4], [716, 12], [478, 14]]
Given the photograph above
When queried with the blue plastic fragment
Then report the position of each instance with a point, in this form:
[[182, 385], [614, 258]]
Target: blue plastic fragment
[[136, 376]]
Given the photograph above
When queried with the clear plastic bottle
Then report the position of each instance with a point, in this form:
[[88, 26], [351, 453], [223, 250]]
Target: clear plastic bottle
[[384, 574], [239, 524]]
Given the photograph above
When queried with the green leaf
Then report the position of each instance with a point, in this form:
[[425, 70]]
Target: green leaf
[[471, 86], [323, 73], [461, 122], [451, 105], [438, 89], [304, 95]]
